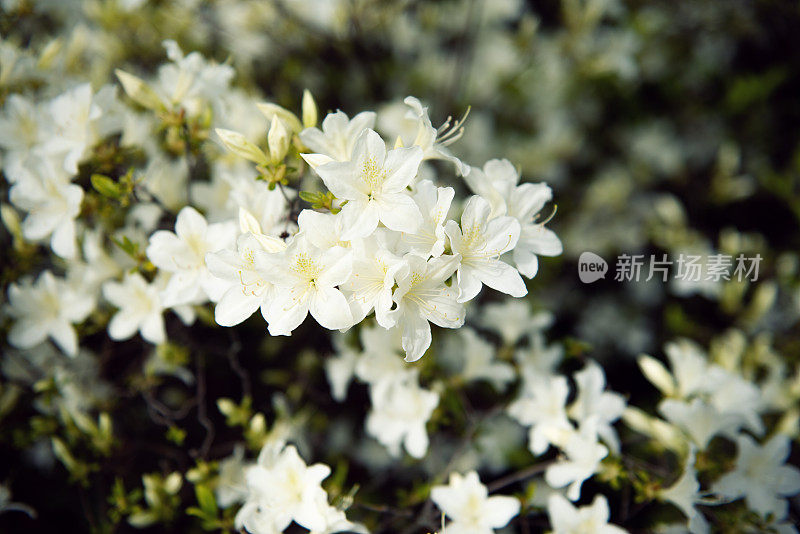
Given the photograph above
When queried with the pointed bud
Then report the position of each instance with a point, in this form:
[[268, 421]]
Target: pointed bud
[[239, 145], [138, 90], [273, 110], [658, 375], [309, 110], [279, 140]]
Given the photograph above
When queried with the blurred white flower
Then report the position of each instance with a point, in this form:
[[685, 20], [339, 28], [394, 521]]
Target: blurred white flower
[[466, 502], [140, 309], [47, 308], [583, 456], [567, 519], [400, 410], [183, 253], [761, 476]]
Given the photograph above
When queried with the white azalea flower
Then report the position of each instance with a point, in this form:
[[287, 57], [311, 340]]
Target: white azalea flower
[[72, 113], [400, 410], [231, 485], [306, 278], [471, 511], [422, 296], [339, 369], [583, 456], [567, 519], [370, 286], [183, 253], [700, 420], [513, 320], [242, 270], [538, 358], [21, 133], [336, 140], [282, 489], [52, 204], [761, 476], [382, 357], [434, 203], [140, 309], [374, 184], [478, 361], [497, 183], [481, 242], [684, 494], [47, 308], [542, 406], [594, 401], [433, 141]]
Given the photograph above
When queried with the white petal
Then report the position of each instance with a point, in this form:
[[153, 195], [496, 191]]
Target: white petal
[[329, 307], [399, 212], [234, 307]]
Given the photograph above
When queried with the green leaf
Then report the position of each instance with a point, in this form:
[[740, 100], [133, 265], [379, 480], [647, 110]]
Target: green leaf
[[205, 497], [106, 186]]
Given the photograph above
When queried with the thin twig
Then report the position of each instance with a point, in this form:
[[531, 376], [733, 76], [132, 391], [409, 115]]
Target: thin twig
[[519, 476]]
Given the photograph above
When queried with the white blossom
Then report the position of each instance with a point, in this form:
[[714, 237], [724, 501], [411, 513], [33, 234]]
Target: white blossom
[[761, 476], [568, 519], [481, 242], [373, 182], [471, 511], [139, 306], [422, 296], [47, 308], [400, 410]]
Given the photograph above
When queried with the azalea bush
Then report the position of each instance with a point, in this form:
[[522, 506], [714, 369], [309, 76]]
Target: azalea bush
[[455, 267]]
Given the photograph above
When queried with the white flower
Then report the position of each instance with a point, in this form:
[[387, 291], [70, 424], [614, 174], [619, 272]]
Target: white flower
[[593, 401], [497, 183], [231, 485], [282, 489], [339, 369], [21, 133], [72, 113], [538, 358], [247, 290], [370, 286], [434, 203], [422, 296], [481, 242], [513, 320], [374, 184], [567, 519], [432, 141], [190, 81], [337, 138], [47, 308], [583, 453], [52, 204], [306, 278], [478, 360], [139, 309], [183, 254], [698, 419], [400, 410], [684, 494], [466, 502], [542, 407], [761, 476], [381, 358]]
